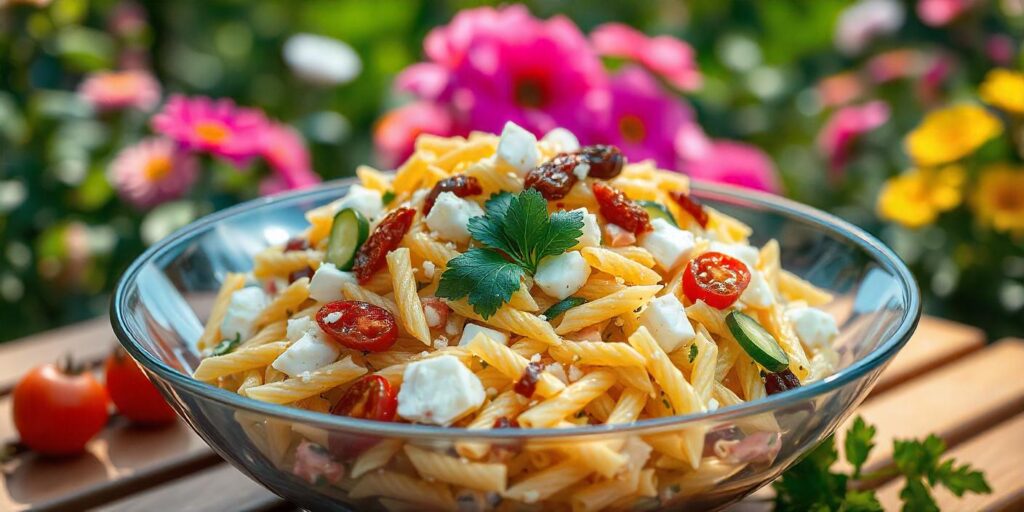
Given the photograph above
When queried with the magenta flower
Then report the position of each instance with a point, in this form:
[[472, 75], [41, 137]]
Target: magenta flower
[[395, 134], [665, 56], [115, 90], [725, 161], [938, 13], [151, 172], [644, 120], [837, 138], [215, 126], [286, 153], [497, 65]]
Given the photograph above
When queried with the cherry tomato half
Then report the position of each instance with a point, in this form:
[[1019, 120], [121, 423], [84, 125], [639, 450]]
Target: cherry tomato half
[[132, 393], [358, 325], [715, 278], [56, 412], [370, 398]]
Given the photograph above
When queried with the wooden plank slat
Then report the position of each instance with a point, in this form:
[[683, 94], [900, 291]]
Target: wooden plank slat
[[218, 488], [953, 402], [999, 453], [935, 342], [88, 342]]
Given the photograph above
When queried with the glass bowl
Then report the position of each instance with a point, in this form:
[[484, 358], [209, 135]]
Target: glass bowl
[[161, 302]]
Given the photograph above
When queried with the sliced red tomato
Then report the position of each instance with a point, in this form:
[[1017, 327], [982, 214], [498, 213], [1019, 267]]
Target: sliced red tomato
[[715, 278], [358, 325], [370, 398]]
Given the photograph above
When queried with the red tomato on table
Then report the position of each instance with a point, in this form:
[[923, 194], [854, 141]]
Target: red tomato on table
[[56, 411], [132, 393]]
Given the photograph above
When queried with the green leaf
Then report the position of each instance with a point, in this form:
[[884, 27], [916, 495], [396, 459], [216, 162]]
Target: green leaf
[[810, 485], [917, 498], [488, 279], [858, 444], [961, 479], [916, 459], [226, 346], [693, 353], [861, 501]]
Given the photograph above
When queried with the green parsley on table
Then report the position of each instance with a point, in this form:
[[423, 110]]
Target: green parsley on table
[[516, 232], [812, 485]]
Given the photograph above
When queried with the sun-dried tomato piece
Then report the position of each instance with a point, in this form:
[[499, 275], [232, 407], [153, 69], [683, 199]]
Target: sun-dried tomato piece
[[620, 210], [371, 255], [527, 383], [692, 206], [605, 162], [460, 185], [780, 381], [554, 178], [505, 422], [296, 244], [299, 274]]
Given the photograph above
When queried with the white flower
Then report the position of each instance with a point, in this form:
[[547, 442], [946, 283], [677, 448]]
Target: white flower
[[865, 20], [321, 60]]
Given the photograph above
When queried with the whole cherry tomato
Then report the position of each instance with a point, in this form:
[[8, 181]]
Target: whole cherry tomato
[[370, 398], [57, 411], [715, 278], [358, 325], [132, 393]]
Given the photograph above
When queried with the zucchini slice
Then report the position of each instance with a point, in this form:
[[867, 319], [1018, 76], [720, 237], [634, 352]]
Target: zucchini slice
[[658, 211], [562, 306], [757, 342], [348, 232]]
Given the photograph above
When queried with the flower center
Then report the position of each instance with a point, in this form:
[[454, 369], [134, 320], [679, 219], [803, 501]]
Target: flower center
[[530, 92], [212, 132], [632, 128], [157, 168], [1009, 200]]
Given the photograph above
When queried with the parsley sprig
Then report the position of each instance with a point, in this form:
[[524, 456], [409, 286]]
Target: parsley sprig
[[516, 232], [812, 485]]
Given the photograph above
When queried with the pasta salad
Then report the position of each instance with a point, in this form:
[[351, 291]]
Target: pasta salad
[[501, 282]]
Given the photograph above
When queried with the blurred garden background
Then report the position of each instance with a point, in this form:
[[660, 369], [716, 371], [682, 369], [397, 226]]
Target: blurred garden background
[[904, 117]]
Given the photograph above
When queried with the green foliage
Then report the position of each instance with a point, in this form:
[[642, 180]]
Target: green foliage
[[811, 484]]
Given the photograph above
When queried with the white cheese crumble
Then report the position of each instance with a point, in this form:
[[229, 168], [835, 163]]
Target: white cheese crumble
[[575, 373], [813, 326], [668, 244], [439, 391], [330, 318], [591, 236], [665, 318], [433, 319], [326, 283], [518, 148], [562, 275], [243, 308], [363, 200], [581, 170], [469, 331], [440, 342], [428, 269], [312, 351], [561, 140], [297, 327], [450, 215]]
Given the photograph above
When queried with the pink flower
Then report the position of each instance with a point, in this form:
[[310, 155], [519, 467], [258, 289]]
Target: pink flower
[[735, 163], [1000, 48], [665, 56], [151, 172], [938, 13], [866, 20], [840, 89], [644, 120], [846, 125], [286, 153], [215, 126], [396, 132], [496, 65], [896, 64], [113, 90]]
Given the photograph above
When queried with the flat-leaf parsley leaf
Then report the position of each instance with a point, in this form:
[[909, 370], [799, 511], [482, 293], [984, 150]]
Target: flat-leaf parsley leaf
[[517, 232]]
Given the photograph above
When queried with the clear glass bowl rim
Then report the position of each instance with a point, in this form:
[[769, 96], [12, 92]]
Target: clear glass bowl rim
[[835, 226]]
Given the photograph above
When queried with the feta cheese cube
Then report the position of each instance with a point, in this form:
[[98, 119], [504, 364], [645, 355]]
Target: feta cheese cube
[[368, 202], [297, 327], [665, 318], [471, 330], [562, 275], [746, 253], [561, 140], [668, 244], [450, 216], [245, 305], [518, 148], [326, 283], [591, 236], [582, 170], [439, 391], [310, 352], [813, 326], [758, 294]]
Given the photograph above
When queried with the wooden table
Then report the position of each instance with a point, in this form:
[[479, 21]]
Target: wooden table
[[945, 381]]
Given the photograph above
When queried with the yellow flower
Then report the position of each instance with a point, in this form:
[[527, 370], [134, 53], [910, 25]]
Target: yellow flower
[[951, 134], [998, 200], [1004, 89], [916, 197]]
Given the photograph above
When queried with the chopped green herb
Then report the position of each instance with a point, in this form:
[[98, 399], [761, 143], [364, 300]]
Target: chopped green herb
[[387, 197], [693, 353], [226, 346], [562, 306]]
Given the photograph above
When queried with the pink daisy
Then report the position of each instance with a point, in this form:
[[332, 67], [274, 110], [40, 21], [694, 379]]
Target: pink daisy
[[215, 126], [286, 153], [395, 134], [665, 56], [113, 90], [848, 124], [152, 172]]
